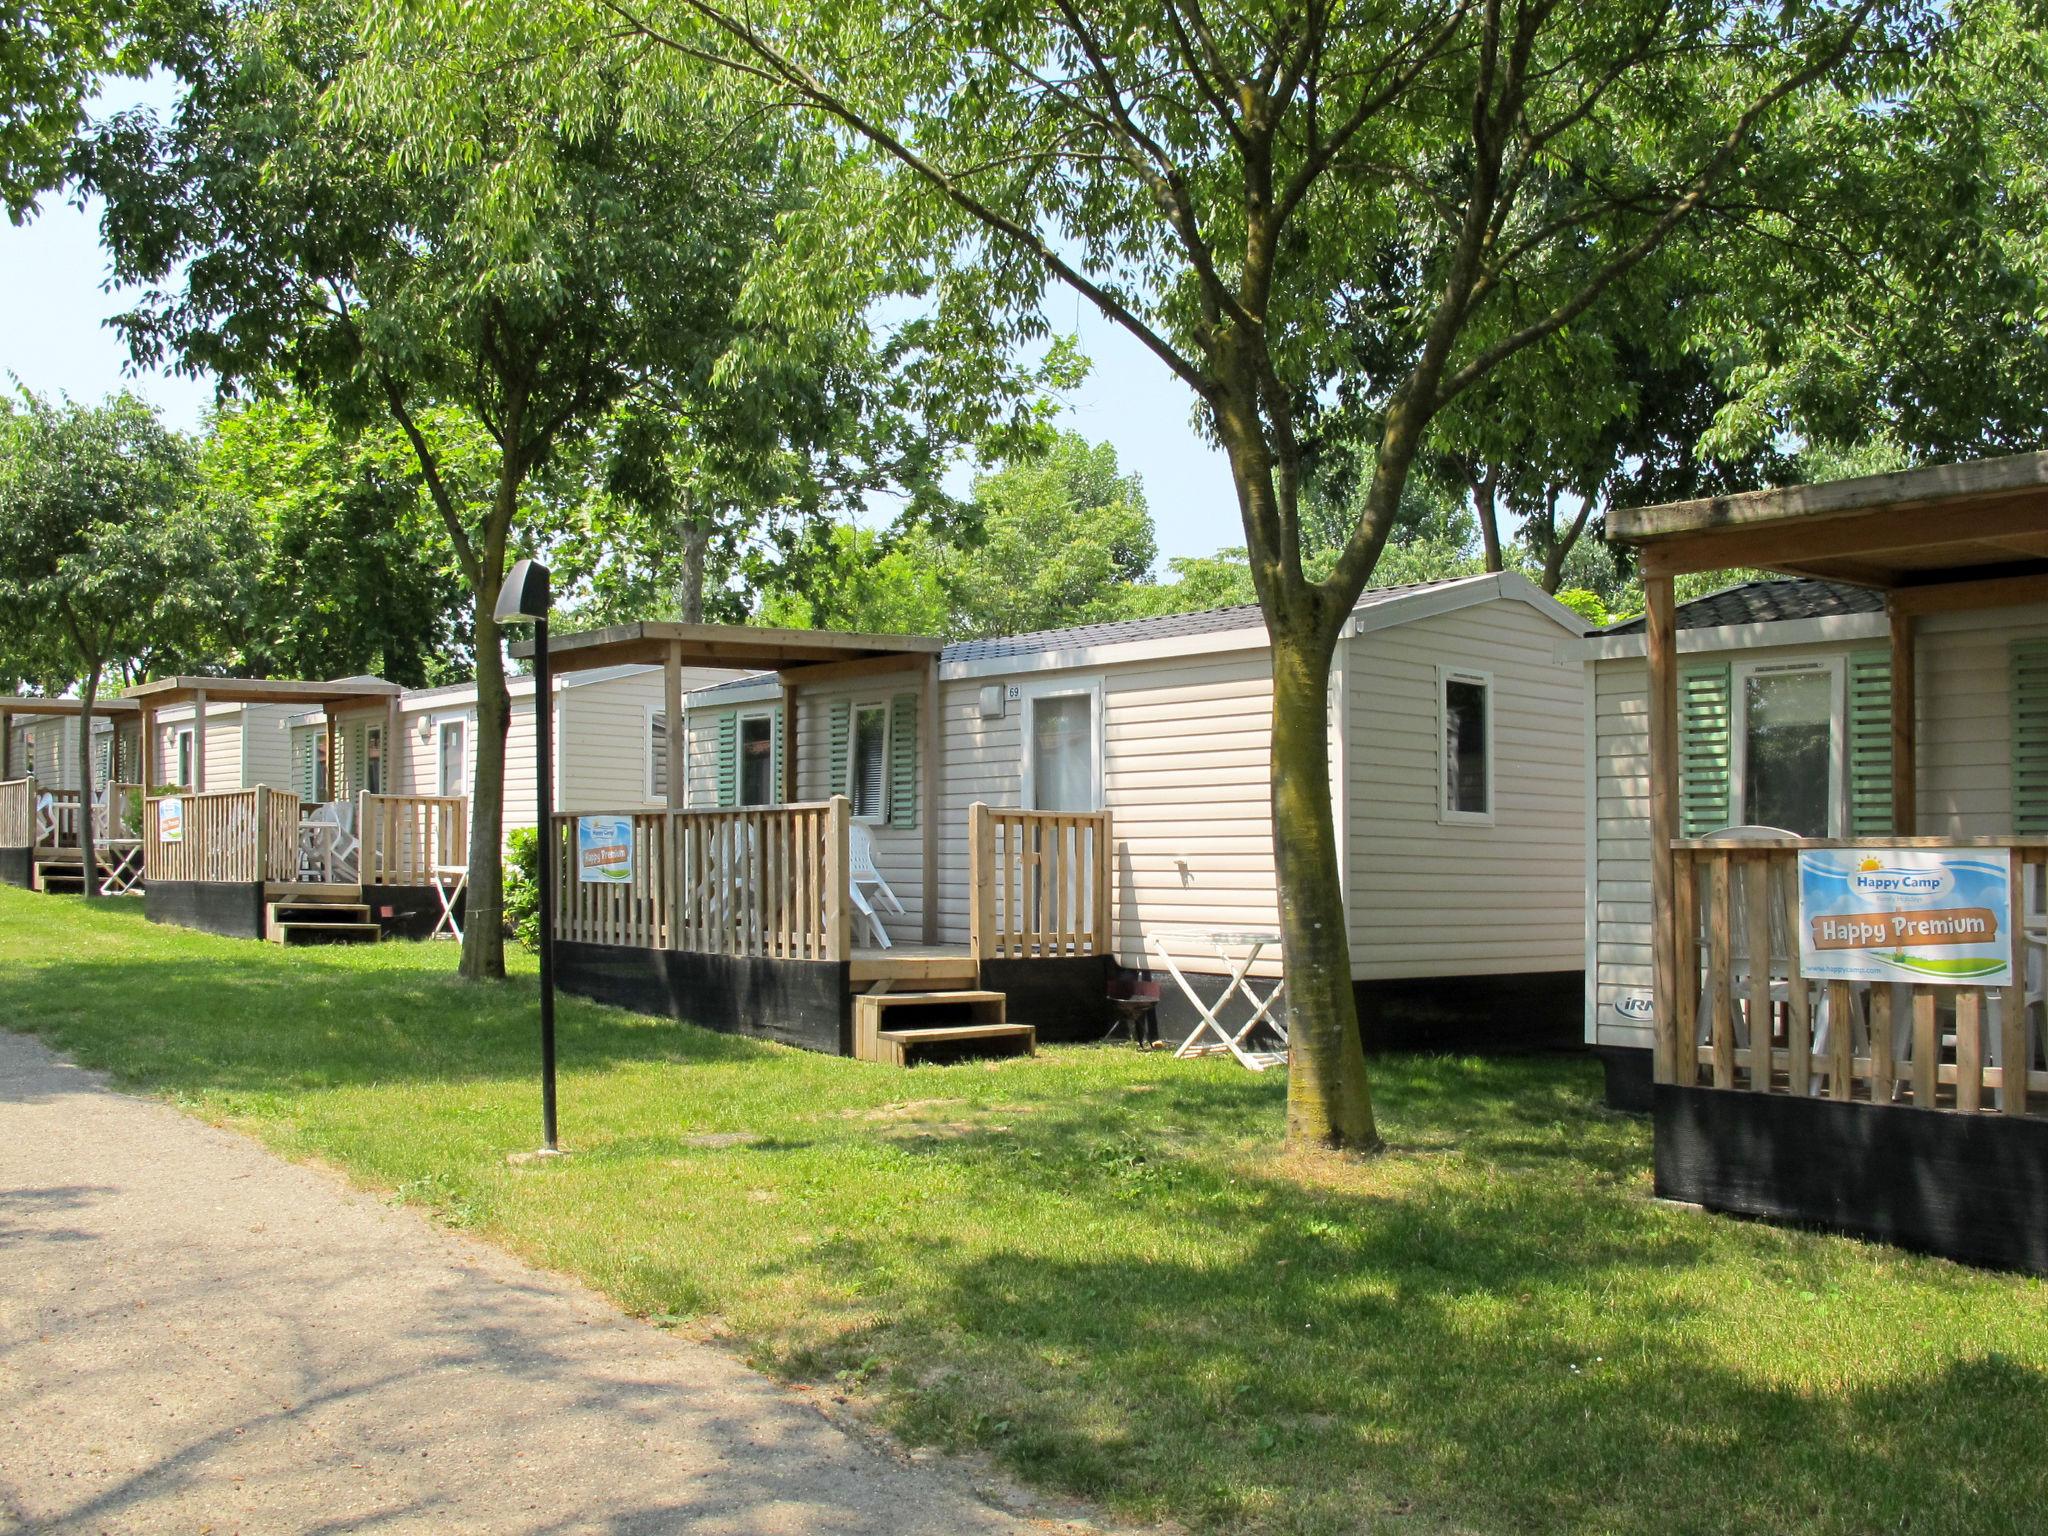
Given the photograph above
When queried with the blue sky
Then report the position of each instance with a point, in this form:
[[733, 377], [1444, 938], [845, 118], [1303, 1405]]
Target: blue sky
[[53, 277]]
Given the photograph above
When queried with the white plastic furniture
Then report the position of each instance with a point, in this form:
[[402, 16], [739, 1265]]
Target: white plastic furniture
[[450, 881], [1219, 942], [862, 877]]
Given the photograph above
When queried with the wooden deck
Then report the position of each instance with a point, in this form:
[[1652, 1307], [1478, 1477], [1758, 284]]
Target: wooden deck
[[922, 965]]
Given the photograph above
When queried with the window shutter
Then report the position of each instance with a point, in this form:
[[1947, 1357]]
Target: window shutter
[[775, 762], [1870, 744], [841, 739], [1705, 799], [2030, 737], [729, 758], [309, 766], [657, 755], [903, 760]]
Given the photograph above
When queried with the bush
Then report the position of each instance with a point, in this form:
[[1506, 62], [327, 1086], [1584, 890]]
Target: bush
[[522, 887]]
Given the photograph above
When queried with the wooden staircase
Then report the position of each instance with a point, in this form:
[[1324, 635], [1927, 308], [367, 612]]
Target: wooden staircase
[[901, 1028], [59, 872], [318, 914]]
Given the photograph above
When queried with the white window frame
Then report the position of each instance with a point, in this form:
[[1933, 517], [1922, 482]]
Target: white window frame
[[1066, 688], [1445, 814], [381, 757], [184, 733], [441, 724], [739, 759], [1837, 670], [881, 817]]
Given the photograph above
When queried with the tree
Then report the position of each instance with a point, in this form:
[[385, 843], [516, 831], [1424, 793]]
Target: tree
[[296, 227], [1234, 185], [348, 569], [100, 552]]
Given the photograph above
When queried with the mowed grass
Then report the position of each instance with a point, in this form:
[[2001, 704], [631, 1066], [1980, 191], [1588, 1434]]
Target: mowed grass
[[1100, 1268]]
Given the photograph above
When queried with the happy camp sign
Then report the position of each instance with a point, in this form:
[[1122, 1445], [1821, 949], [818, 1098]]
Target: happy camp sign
[[1905, 914]]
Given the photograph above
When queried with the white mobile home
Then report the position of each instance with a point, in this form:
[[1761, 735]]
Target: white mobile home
[[42, 776], [1458, 744]]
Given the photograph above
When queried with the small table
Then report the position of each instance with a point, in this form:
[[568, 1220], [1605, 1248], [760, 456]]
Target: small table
[[1218, 941], [450, 881], [120, 859]]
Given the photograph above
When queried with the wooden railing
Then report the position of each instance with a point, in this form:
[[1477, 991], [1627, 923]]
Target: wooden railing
[[226, 837], [1766, 1028], [405, 838], [18, 813], [767, 882], [63, 811], [1038, 883], [118, 816]]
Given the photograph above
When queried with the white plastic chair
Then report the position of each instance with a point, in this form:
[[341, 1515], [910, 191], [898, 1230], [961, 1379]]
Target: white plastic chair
[[342, 845], [46, 818], [862, 877]]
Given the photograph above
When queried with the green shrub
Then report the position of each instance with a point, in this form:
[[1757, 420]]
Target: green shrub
[[522, 887]]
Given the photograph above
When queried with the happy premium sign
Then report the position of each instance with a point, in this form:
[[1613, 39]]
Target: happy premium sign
[[1936, 915], [604, 850]]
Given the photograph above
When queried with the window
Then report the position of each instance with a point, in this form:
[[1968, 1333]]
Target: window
[[373, 760], [757, 760], [181, 756], [1465, 716], [452, 771], [657, 754], [1061, 765], [870, 778], [323, 771], [1788, 770]]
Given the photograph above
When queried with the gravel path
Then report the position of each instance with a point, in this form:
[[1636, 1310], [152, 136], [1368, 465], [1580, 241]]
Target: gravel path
[[198, 1336]]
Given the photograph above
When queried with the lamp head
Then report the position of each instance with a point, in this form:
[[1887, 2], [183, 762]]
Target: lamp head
[[525, 595]]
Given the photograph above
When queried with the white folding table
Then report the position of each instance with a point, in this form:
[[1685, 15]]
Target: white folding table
[[450, 881], [120, 860], [1219, 942]]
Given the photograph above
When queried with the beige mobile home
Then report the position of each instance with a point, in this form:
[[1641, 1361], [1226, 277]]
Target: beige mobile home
[[42, 785], [1458, 743]]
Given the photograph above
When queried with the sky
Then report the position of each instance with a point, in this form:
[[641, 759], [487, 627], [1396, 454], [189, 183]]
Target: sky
[[54, 300]]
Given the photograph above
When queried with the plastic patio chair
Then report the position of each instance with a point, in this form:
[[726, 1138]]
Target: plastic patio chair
[[863, 877]]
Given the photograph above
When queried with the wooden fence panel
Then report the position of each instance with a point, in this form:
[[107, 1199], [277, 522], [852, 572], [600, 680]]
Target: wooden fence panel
[[226, 837], [1038, 883], [405, 837], [18, 813]]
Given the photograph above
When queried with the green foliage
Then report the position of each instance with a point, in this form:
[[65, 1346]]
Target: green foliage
[[350, 570], [1589, 605], [522, 887]]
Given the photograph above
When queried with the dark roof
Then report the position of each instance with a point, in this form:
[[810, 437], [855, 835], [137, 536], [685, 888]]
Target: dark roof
[[1768, 602], [1167, 626]]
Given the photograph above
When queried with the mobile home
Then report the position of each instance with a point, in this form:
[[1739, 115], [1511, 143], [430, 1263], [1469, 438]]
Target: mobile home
[[42, 777], [1140, 749], [1819, 833]]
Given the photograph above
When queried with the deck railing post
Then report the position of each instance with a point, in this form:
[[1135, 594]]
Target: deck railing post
[[262, 832], [981, 882], [838, 909], [1105, 843]]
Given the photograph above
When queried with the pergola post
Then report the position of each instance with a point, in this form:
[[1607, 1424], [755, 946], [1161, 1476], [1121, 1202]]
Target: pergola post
[[678, 745], [148, 774], [199, 741], [1661, 624], [1905, 804], [332, 789], [6, 745], [928, 799]]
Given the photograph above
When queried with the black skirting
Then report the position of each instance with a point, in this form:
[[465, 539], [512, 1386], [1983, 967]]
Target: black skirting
[[407, 911], [797, 1002], [1971, 1187], [232, 909], [18, 867]]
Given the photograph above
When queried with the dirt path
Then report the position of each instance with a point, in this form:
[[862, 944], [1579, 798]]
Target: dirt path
[[197, 1336]]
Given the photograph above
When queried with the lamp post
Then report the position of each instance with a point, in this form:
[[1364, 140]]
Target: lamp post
[[526, 598]]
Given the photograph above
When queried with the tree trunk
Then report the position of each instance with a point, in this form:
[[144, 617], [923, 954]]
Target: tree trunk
[[88, 839], [483, 926], [1486, 508], [1329, 1100], [696, 544]]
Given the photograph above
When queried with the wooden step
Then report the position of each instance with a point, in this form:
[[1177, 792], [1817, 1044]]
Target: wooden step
[[300, 911], [879, 970], [895, 1027], [60, 879], [294, 932]]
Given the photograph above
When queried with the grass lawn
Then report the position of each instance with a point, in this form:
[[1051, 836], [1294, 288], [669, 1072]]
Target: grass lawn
[[1099, 1267]]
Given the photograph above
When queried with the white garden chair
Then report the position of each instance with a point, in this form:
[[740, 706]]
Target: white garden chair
[[46, 818], [328, 847], [863, 877]]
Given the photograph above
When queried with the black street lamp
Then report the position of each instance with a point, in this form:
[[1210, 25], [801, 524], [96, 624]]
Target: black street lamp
[[526, 598]]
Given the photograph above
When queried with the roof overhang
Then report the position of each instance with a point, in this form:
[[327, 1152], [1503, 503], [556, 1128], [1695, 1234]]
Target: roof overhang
[[167, 692], [738, 647], [1951, 536], [29, 704]]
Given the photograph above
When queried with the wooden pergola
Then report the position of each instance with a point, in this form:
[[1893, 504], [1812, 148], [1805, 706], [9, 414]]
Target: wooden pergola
[[152, 698], [1951, 538], [45, 707], [797, 656]]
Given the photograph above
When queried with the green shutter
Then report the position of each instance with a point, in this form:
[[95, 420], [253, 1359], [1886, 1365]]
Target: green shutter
[[841, 738], [2030, 737], [775, 736], [729, 758], [1870, 744], [309, 766], [903, 760], [1705, 799]]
